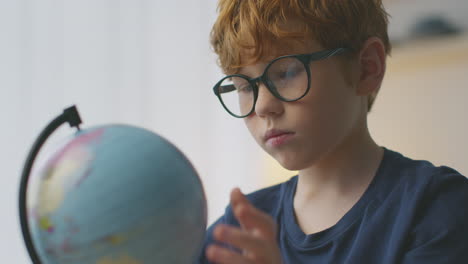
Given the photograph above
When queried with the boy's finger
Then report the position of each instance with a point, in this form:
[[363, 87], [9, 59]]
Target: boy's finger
[[250, 217], [238, 238], [256, 221], [222, 255], [238, 197]]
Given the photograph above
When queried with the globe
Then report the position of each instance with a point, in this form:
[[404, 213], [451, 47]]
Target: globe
[[116, 194]]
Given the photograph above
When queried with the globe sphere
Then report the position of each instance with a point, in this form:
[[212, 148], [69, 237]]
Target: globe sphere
[[116, 194]]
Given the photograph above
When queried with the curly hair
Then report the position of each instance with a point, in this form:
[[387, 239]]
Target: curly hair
[[263, 26]]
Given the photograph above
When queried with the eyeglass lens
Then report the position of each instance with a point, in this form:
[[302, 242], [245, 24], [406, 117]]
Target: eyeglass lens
[[287, 77]]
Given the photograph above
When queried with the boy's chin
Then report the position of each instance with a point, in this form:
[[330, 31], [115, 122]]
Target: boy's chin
[[289, 164]]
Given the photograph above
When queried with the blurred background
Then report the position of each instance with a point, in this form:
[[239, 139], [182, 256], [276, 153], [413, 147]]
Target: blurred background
[[148, 63]]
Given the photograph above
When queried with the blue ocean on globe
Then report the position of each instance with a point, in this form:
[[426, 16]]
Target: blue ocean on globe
[[117, 194]]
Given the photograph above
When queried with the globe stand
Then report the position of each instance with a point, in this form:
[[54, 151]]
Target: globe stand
[[69, 115]]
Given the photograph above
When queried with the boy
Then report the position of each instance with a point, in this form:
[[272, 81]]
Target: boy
[[303, 74]]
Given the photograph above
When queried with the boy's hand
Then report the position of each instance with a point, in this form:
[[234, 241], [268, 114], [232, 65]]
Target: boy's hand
[[256, 239]]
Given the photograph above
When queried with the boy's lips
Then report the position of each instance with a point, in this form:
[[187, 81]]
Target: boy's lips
[[276, 137]]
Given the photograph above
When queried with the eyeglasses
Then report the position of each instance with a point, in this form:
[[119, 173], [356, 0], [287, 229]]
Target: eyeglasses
[[286, 77]]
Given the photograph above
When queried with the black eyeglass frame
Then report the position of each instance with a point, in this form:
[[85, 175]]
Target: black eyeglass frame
[[306, 59]]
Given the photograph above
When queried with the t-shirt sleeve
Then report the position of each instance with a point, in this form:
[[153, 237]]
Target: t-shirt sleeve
[[440, 234]]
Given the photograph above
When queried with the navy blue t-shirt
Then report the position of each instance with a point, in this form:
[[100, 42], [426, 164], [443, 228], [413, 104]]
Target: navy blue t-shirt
[[412, 212]]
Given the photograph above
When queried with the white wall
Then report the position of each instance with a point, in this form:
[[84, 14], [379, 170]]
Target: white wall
[[421, 109], [140, 62], [406, 13]]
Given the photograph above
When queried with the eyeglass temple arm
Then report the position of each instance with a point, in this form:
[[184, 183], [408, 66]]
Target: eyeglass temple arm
[[226, 88], [325, 54]]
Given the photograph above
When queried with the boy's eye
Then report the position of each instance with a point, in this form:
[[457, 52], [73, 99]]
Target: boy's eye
[[288, 73], [285, 69]]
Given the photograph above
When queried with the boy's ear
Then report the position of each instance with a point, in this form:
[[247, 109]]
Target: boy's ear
[[372, 65]]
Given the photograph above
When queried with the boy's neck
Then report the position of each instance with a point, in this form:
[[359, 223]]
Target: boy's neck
[[344, 172]]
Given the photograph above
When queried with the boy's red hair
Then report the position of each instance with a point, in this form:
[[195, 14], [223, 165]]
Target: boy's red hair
[[262, 26]]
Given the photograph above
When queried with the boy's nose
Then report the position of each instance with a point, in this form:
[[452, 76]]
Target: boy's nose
[[267, 104]]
